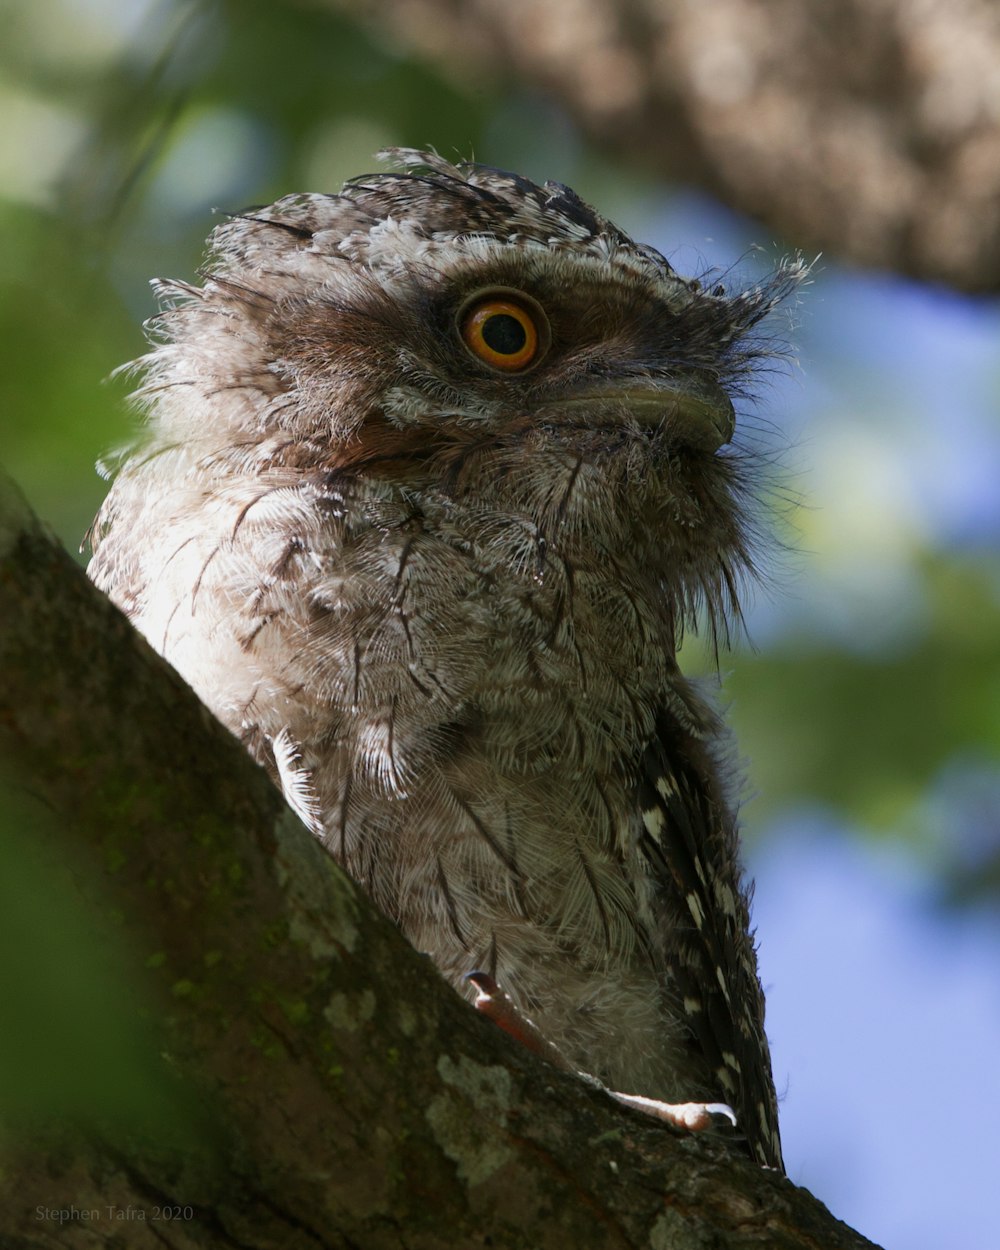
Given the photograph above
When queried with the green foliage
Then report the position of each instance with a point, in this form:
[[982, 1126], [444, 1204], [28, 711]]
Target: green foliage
[[867, 733], [63, 330]]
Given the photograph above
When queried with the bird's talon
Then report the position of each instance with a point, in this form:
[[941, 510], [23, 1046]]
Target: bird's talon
[[692, 1117], [498, 1006]]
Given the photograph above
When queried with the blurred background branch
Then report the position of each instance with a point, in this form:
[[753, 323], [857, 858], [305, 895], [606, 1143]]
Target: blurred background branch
[[868, 131]]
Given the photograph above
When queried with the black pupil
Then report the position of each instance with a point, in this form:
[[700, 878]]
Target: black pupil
[[504, 334]]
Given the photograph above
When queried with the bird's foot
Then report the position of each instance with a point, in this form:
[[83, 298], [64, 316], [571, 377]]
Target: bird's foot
[[692, 1117], [498, 1006]]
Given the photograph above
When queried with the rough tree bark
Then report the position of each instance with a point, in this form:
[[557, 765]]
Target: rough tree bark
[[336, 1093], [869, 129]]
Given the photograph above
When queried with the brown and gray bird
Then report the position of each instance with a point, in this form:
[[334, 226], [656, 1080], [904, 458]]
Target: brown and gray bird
[[438, 470]]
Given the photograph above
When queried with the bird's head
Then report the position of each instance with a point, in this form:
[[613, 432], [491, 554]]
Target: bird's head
[[465, 330]]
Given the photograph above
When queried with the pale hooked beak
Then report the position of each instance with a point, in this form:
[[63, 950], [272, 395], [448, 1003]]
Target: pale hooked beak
[[695, 411]]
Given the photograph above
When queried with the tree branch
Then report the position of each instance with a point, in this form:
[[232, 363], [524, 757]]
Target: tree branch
[[325, 1087], [867, 130]]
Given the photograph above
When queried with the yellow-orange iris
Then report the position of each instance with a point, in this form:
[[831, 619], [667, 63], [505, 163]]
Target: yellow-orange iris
[[502, 333]]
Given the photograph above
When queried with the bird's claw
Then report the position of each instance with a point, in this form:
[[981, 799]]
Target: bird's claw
[[497, 1005], [692, 1117]]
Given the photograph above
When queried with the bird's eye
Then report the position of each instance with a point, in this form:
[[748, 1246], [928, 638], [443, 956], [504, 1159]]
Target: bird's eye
[[503, 330]]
